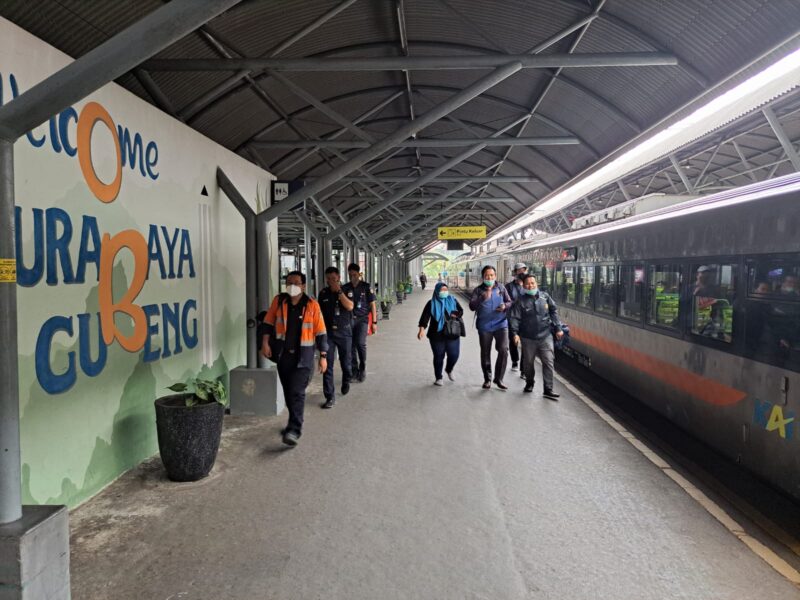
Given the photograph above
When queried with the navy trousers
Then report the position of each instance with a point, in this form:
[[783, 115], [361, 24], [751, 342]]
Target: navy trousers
[[442, 348], [359, 352], [343, 343]]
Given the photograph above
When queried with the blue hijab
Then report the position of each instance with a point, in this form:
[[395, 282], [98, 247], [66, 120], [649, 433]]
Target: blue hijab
[[441, 306]]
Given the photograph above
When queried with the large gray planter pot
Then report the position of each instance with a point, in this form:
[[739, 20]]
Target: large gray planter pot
[[188, 436]]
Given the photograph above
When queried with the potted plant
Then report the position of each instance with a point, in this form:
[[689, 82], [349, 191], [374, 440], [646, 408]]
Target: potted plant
[[189, 426], [386, 305], [400, 291], [409, 285]]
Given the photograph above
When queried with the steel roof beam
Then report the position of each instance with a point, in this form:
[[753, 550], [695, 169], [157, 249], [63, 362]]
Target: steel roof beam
[[417, 63], [114, 57], [387, 143], [450, 179], [210, 96], [419, 143], [780, 133]]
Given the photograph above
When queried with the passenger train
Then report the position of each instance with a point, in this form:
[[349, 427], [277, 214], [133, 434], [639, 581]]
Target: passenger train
[[694, 309]]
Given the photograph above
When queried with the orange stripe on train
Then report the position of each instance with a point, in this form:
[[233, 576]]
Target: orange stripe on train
[[703, 388]]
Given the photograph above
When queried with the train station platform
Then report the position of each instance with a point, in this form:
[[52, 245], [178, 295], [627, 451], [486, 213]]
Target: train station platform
[[406, 490]]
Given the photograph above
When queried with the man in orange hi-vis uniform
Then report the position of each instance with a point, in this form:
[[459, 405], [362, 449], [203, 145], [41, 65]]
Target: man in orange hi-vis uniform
[[293, 328]]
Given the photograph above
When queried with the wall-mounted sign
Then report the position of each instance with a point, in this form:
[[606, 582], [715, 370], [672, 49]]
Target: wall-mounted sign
[[282, 189], [472, 232], [569, 254]]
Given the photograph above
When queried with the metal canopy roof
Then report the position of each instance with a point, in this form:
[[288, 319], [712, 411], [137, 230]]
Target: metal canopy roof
[[369, 67]]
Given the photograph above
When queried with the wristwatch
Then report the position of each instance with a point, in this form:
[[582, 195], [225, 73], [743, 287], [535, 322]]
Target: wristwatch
[[323, 355]]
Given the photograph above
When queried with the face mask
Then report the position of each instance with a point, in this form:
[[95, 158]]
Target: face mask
[[788, 290], [531, 292], [444, 294], [294, 290], [521, 276], [488, 282]]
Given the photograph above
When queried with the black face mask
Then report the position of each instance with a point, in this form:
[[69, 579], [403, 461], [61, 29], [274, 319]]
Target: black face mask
[[521, 276]]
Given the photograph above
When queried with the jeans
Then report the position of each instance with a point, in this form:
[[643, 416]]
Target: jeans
[[500, 338], [294, 382], [543, 348], [342, 342], [359, 352], [441, 347]]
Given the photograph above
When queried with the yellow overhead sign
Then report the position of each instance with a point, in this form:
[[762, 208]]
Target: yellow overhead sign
[[472, 232]]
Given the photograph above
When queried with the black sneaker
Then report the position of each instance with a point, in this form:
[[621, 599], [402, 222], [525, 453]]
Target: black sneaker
[[528, 388], [290, 438], [329, 403], [345, 388], [514, 366], [551, 394], [362, 375]]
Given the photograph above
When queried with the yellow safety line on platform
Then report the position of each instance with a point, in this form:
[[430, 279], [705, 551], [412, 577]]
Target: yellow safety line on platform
[[716, 511]]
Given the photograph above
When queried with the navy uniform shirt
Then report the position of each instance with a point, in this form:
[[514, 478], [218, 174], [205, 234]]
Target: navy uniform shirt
[[337, 318], [362, 297]]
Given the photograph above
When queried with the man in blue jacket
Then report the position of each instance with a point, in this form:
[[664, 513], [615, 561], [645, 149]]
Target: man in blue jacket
[[490, 301]]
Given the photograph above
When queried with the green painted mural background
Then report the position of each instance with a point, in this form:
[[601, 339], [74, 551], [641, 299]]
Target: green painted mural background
[[74, 443]]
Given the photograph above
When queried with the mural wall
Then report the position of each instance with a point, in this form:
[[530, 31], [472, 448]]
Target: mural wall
[[130, 274]]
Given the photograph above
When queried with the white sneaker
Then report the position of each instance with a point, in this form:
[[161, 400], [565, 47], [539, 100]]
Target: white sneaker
[[438, 382], [450, 377], [514, 367]]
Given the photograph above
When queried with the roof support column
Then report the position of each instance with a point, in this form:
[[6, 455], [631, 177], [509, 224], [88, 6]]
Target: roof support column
[[10, 483], [681, 173]]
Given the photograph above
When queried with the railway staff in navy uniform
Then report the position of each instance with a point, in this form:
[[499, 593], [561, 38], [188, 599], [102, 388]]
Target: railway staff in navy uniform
[[490, 301], [337, 310], [363, 304], [531, 321], [514, 289], [293, 326]]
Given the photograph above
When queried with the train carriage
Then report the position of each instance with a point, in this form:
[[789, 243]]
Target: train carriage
[[694, 309]]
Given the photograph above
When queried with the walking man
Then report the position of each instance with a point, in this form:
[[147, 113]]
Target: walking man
[[514, 289], [293, 326], [363, 299], [491, 301], [532, 319], [337, 311]]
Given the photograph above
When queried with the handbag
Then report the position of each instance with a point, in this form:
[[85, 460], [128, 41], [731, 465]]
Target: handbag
[[454, 328]]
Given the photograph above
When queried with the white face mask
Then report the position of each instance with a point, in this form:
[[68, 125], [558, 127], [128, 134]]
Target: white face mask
[[294, 290]]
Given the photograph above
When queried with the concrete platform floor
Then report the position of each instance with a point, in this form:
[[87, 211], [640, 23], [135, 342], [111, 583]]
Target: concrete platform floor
[[406, 490]]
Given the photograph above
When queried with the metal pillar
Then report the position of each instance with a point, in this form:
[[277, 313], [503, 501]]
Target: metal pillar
[[308, 265], [10, 486]]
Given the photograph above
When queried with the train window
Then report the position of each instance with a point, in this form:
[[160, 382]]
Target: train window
[[631, 292], [570, 287], [665, 299], [546, 282], [773, 333], [606, 286], [558, 284], [585, 285], [712, 301], [774, 277]]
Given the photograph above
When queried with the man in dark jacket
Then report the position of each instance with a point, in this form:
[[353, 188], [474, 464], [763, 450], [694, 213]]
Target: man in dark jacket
[[531, 320], [490, 301], [514, 289]]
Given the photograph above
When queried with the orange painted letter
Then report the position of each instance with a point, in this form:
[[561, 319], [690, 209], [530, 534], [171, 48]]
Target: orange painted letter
[[135, 242]]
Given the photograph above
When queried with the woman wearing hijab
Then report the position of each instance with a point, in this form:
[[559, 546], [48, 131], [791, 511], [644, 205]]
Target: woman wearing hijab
[[438, 309]]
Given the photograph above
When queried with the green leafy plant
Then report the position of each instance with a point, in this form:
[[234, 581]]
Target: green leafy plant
[[400, 287], [205, 391], [386, 299]]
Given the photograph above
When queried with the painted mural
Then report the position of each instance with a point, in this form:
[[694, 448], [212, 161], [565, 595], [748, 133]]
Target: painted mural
[[130, 274]]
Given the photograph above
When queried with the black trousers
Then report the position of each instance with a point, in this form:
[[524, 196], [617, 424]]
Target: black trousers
[[500, 339], [513, 350], [294, 382], [343, 343], [359, 353]]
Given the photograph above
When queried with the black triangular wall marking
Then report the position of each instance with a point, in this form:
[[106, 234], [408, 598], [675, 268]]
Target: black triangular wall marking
[[204, 192]]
